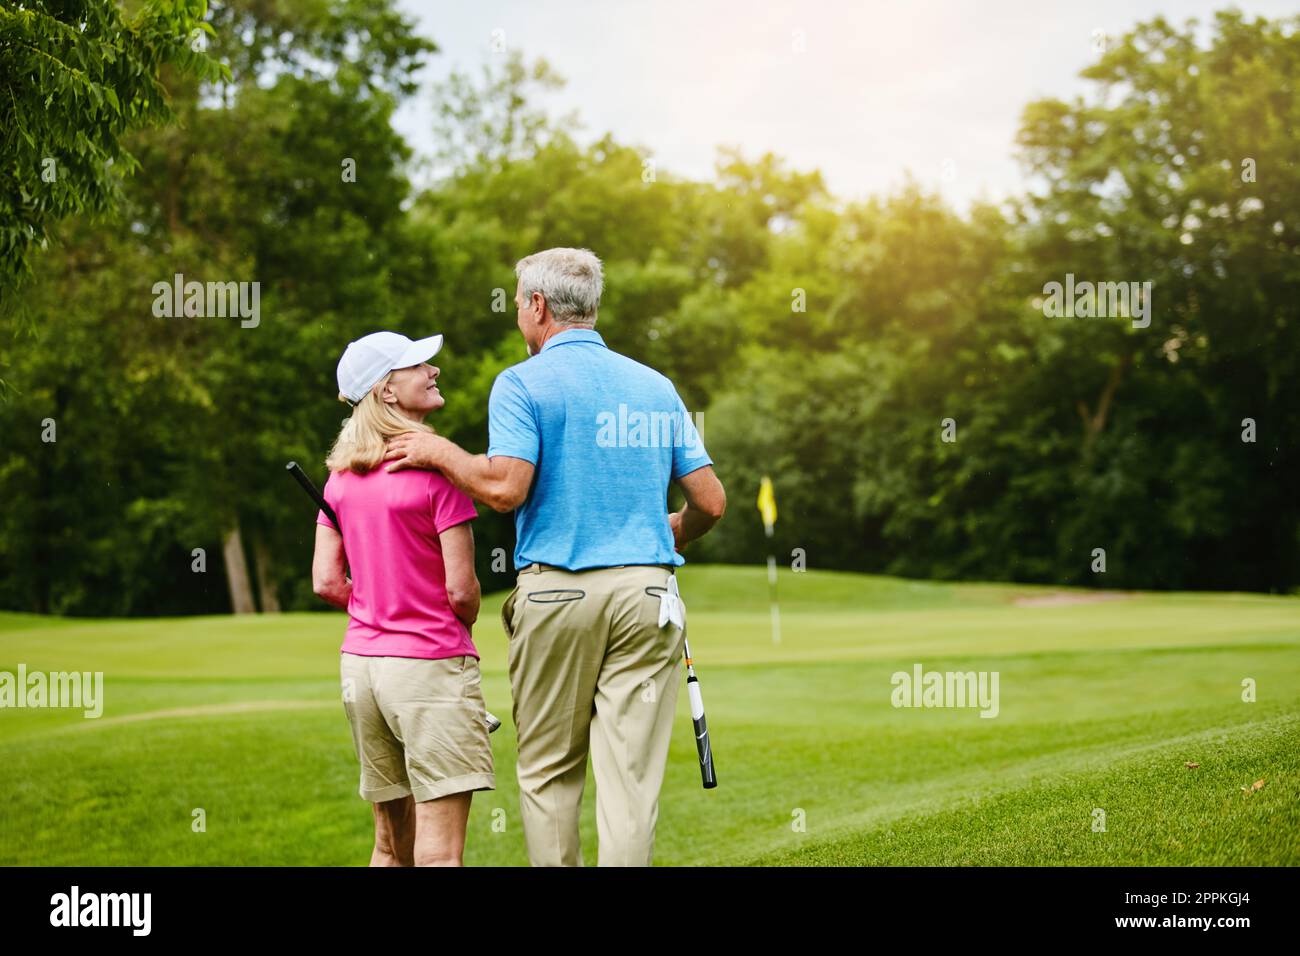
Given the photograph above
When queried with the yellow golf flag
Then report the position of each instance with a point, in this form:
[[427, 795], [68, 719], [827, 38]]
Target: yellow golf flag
[[767, 504]]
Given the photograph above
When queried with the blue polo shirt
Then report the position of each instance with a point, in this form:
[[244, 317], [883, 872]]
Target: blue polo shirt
[[606, 435]]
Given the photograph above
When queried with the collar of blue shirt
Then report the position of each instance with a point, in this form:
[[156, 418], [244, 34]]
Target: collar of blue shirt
[[574, 335]]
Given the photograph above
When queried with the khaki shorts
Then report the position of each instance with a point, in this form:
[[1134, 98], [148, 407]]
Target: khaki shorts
[[418, 726]]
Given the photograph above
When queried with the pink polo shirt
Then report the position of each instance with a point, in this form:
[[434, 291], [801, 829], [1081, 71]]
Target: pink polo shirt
[[391, 522]]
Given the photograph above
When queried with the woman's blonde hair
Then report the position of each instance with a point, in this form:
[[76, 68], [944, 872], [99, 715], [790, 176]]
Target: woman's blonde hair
[[359, 446]]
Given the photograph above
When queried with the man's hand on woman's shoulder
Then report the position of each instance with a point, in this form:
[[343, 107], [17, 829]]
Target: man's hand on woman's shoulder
[[416, 450]]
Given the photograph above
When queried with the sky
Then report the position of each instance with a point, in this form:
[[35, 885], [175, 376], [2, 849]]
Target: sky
[[865, 92]]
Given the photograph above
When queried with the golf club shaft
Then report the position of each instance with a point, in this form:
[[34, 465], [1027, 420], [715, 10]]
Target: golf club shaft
[[708, 775], [301, 477]]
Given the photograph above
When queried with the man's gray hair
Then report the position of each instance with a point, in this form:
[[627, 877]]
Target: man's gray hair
[[570, 280]]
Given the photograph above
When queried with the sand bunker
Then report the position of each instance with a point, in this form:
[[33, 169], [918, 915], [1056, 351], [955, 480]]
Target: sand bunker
[[1064, 598]]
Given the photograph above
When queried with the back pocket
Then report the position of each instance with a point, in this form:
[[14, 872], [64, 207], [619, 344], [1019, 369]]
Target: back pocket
[[556, 596]]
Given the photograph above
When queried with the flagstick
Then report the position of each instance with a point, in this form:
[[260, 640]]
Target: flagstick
[[772, 595], [767, 508]]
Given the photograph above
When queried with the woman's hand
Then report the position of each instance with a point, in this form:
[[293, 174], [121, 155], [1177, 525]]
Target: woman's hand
[[458, 565], [329, 577]]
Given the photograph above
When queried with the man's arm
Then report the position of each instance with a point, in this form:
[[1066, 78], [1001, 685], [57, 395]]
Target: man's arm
[[328, 578], [706, 501], [502, 483], [458, 560]]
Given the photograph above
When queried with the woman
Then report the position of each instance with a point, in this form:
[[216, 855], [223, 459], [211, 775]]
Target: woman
[[409, 667]]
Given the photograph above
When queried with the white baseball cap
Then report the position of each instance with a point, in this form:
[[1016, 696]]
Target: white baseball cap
[[371, 357]]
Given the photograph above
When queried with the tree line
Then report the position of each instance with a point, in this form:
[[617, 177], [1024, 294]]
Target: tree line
[[895, 366]]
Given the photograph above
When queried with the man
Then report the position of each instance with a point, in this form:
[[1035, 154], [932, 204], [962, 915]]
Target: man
[[583, 443]]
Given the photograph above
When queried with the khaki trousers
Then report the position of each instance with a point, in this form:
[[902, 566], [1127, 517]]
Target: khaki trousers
[[591, 670]]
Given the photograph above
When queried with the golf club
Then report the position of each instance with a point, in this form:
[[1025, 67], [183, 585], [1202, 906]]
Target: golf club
[[301, 477], [708, 775]]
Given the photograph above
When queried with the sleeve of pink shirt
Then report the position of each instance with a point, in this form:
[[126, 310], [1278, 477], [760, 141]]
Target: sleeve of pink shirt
[[449, 505], [329, 494]]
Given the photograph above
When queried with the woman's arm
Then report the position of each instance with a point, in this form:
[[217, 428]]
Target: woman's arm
[[328, 568], [458, 560]]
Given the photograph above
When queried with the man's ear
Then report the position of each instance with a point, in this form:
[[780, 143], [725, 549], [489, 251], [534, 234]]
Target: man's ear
[[539, 306]]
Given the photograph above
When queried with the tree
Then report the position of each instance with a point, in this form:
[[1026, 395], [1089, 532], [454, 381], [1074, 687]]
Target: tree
[[189, 450], [75, 77], [1183, 171], [829, 344]]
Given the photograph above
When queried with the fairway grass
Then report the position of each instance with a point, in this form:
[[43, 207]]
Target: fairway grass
[[1102, 707]]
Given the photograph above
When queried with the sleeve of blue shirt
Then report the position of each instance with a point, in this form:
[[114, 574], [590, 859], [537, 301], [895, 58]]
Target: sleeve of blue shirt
[[512, 421], [688, 454]]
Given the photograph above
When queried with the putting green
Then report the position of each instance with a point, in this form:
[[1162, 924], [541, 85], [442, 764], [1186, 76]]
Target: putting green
[[1102, 705]]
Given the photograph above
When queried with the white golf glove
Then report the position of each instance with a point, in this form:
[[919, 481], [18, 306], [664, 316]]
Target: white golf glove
[[671, 607]]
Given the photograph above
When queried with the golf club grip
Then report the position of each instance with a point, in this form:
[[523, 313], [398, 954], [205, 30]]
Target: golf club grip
[[301, 477], [708, 776]]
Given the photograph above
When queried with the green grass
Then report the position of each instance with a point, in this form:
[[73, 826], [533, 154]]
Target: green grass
[[1102, 706]]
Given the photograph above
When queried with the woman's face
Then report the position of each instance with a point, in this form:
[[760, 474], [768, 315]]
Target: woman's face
[[414, 390]]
